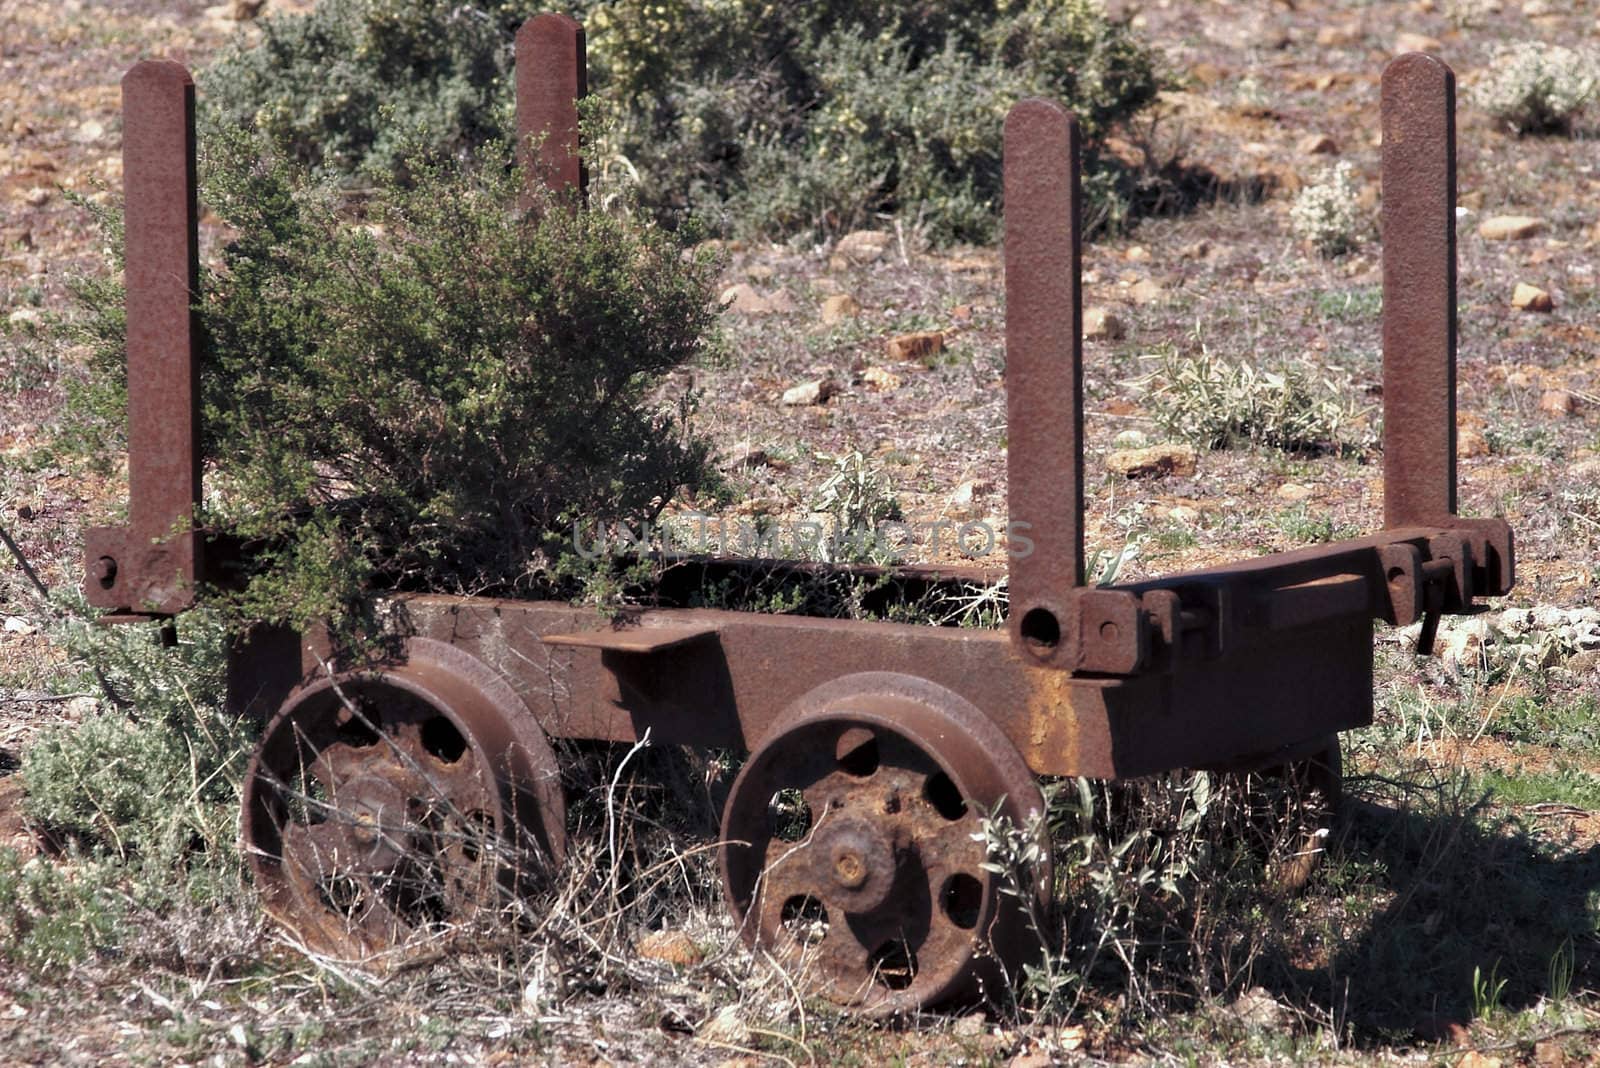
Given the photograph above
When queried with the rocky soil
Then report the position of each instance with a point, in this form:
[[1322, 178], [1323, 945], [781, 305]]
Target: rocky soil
[[875, 344]]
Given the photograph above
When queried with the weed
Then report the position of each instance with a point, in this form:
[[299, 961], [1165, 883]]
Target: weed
[[890, 107], [157, 777], [1362, 305], [50, 918], [1563, 786], [1558, 978], [1326, 212], [1536, 87], [1216, 403], [358, 85], [1487, 990], [429, 398], [855, 498]]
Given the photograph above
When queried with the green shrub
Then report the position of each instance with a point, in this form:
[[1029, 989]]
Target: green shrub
[[423, 388], [1214, 403], [143, 797], [357, 84], [158, 778], [1326, 213], [778, 118], [1534, 87], [51, 918], [768, 118]]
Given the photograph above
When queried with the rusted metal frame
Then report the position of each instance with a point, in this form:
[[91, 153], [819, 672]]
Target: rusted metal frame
[[551, 77], [149, 566], [734, 685], [1419, 291], [1149, 625], [1044, 377]]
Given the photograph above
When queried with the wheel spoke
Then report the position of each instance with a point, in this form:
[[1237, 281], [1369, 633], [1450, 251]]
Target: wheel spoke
[[374, 816], [889, 855]]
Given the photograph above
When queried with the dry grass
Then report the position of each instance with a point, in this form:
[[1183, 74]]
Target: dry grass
[[1471, 842]]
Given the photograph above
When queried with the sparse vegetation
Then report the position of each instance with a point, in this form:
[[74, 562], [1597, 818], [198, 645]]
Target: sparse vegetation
[[1536, 87], [761, 119], [1213, 402], [430, 389], [1326, 213], [1453, 915]]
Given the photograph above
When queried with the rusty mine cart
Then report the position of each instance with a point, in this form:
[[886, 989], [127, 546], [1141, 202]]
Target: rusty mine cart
[[383, 799]]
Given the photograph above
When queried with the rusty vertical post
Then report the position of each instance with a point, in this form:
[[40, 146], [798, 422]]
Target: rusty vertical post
[[1044, 378], [151, 564], [1419, 291], [551, 78]]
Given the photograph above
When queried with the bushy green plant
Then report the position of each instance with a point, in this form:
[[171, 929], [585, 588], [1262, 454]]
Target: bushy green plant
[[1535, 87], [1216, 403], [817, 116], [49, 917], [764, 117], [1325, 213], [422, 389], [157, 774], [358, 84]]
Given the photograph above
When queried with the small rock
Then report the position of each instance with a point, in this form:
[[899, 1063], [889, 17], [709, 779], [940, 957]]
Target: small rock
[[1294, 491], [1071, 1037], [1102, 324], [964, 494], [880, 379], [1557, 402], [1137, 254], [1131, 439], [781, 302], [25, 318], [245, 10], [89, 132], [1339, 36], [1317, 145], [838, 308], [37, 197], [1531, 298], [1471, 444], [1535, 9], [970, 1026], [1035, 1059], [817, 391], [916, 346], [1416, 42], [748, 456], [1510, 227], [1183, 513], [725, 1028], [1519, 380], [961, 313], [1153, 462], [18, 625], [1146, 291], [744, 299], [759, 272], [1256, 1008], [862, 246], [1473, 1059], [670, 947]]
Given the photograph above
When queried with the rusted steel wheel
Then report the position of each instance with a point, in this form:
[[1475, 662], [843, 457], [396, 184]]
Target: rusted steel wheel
[[384, 808], [853, 847]]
